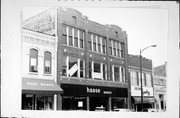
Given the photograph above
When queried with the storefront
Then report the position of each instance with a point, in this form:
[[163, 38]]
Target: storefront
[[38, 94], [148, 102], [148, 98], [86, 97]]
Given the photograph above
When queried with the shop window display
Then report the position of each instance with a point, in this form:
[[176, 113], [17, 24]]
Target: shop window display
[[37, 102]]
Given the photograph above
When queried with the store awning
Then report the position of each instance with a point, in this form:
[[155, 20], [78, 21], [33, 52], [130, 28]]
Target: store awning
[[137, 100], [40, 86]]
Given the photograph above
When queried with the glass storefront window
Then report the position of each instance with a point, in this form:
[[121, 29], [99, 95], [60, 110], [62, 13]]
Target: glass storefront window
[[74, 103], [27, 101], [118, 103], [37, 102]]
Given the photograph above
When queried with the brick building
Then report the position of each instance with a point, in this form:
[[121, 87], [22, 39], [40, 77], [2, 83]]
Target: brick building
[[91, 60], [147, 82]]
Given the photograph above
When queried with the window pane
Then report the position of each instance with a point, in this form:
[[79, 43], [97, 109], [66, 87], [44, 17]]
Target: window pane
[[73, 67], [76, 42], [70, 41], [94, 46], [90, 69], [116, 73], [114, 49], [64, 39], [81, 34], [81, 68], [89, 45], [103, 49], [33, 60], [70, 31], [47, 63], [111, 73], [64, 30], [64, 66], [99, 47], [110, 49], [104, 71], [137, 75], [97, 67], [76, 33], [81, 43]]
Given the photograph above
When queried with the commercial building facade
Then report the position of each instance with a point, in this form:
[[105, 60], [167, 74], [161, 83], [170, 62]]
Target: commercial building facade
[[91, 60], [160, 86], [39, 81], [147, 82]]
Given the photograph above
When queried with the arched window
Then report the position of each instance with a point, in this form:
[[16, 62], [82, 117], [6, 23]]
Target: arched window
[[47, 62], [33, 65]]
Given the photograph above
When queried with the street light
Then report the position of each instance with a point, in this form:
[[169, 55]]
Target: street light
[[141, 73]]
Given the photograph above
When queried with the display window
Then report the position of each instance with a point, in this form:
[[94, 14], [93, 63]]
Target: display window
[[74, 103], [118, 103], [37, 102]]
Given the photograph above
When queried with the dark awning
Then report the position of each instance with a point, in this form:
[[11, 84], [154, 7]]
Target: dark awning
[[137, 100], [40, 86]]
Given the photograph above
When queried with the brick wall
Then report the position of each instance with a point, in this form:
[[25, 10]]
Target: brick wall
[[134, 61]]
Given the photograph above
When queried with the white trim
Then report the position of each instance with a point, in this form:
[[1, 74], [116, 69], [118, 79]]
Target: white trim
[[78, 63], [67, 32], [67, 68], [73, 37]]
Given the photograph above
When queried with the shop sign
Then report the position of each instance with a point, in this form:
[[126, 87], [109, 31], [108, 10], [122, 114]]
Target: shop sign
[[39, 84], [136, 91], [93, 90], [97, 91], [83, 90]]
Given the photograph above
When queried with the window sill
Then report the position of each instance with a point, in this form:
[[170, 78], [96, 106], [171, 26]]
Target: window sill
[[33, 73], [46, 74]]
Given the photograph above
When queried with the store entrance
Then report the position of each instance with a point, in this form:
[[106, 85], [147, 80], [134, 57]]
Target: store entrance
[[98, 102]]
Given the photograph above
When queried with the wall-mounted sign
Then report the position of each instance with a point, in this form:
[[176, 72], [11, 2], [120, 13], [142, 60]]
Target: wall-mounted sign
[[136, 91], [87, 90]]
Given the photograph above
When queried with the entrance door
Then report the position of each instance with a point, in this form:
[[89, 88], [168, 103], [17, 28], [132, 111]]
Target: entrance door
[[98, 102]]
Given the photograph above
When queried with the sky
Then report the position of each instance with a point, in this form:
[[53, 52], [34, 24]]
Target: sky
[[144, 27]]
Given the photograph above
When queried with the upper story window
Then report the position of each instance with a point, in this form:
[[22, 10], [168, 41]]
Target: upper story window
[[64, 34], [72, 36], [96, 43], [47, 62], [72, 67], [33, 67], [116, 48], [104, 45], [149, 80], [116, 74], [122, 50], [89, 47], [76, 41], [81, 33], [99, 44]]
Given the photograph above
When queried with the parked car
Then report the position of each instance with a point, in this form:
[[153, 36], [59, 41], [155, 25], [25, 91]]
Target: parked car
[[149, 110], [101, 108], [121, 110]]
